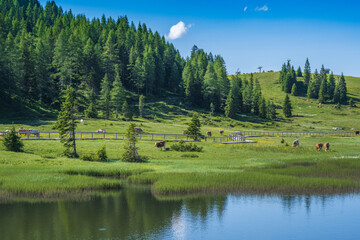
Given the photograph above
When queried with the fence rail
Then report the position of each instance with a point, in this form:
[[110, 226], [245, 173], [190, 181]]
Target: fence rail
[[298, 134], [238, 137], [139, 136]]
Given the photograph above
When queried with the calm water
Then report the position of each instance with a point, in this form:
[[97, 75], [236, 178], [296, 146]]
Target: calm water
[[135, 214]]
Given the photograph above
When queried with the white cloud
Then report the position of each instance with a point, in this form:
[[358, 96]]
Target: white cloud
[[178, 30], [264, 8], [245, 8]]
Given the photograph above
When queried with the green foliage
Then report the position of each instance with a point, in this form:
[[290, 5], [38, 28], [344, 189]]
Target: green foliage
[[294, 90], [117, 93], [66, 123], [287, 107], [212, 108], [307, 72], [131, 151], [342, 90], [331, 86], [298, 72], [194, 127], [352, 103], [12, 142], [91, 111], [141, 105], [127, 113], [263, 108], [105, 96], [101, 155], [182, 146]]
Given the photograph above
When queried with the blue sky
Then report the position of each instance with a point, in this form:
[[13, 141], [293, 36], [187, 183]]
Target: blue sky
[[249, 34]]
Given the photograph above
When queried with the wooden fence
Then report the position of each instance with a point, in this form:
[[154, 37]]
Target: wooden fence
[[297, 134], [139, 136]]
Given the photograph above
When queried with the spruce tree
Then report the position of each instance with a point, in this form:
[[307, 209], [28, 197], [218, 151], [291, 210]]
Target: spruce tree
[[331, 86], [342, 89], [337, 94], [126, 112], [298, 72], [323, 91], [272, 111], [263, 108], [230, 107], [287, 107], [66, 123], [194, 127], [105, 96], [131, 151], [141, 105], [117, 94], [91, 111], [307, 72], [294, 90]]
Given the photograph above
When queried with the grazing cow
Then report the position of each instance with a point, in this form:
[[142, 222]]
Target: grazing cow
[[327, 146], [296, 143], [160, 145], [101, 131], [23, 131], [208, 134], [335, 106], [82, 121], [319, 147], [138, 130], [320, 105], [221, 132]]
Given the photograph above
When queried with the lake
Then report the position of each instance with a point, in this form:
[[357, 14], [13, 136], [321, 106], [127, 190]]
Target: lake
[[134, 213]]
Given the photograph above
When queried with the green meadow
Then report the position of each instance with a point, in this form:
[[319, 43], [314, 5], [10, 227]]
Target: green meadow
[[265, 167]]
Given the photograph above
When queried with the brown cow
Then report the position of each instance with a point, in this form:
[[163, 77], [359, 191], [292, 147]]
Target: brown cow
[[101, 131], [335, 106], [160, 145], [319, 147], [327, 146], [320, 105], [208, 134], [221, 132]]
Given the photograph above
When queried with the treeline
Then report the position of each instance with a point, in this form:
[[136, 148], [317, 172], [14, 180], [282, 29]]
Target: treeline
[[44, 50], [321, 86]]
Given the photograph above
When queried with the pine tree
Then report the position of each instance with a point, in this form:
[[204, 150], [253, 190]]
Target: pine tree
[[298, 72], [131, 151], [323, 91], [212, 108], [66, 123], [91, 111], [194, 127], [342, 90], [12, 142], [294, 90], [287, 107], [127, 114], [331, 86], [117, 94], [337, 94], [263, 108], [141, 105], [230, 107], [307, 72], [272, 111], [105, 96]]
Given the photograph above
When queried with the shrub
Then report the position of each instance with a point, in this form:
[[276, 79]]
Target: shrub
[[101, 155], [181, 146], [282, 141], [12, 142], [190, 155]]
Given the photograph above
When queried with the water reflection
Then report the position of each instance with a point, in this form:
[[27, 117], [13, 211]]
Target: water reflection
[[134, 213]]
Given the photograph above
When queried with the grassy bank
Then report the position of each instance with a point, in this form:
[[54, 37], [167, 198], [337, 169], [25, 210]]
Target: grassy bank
[[266, 167]]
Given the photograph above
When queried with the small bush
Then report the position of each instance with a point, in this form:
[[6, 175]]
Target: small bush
[[99, 156], [181, 146], [282, 141], [12, 142], [88, 157], [190, 155]]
